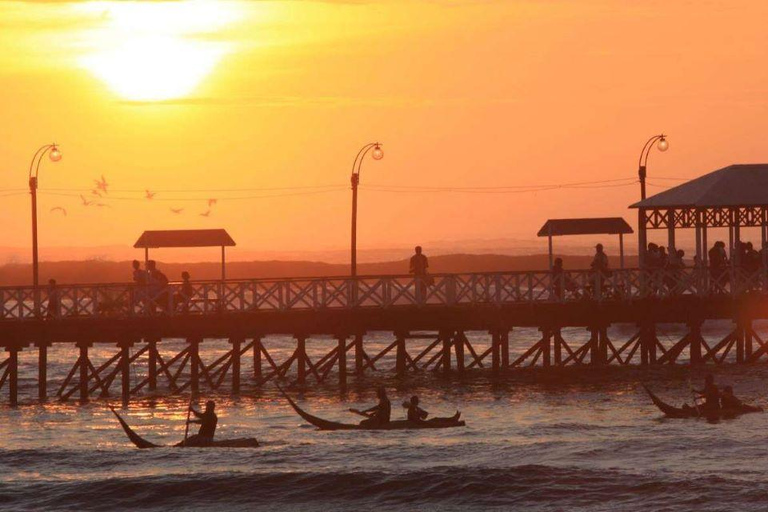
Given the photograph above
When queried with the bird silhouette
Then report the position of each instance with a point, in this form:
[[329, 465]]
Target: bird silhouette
[[85, 201], [177, 210], [150, 194], [103, 205], [96, 193], [212, 202], [101, 184], [59, 209], [206, 213]]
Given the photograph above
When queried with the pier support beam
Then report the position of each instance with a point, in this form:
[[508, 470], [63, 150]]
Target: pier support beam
[[194, 364], [257, 349], [458, 348], [42, 370], [648, 343], [446, 359], [13, 375], [236, 341], [342, 361], [504, 339], [83, 363], [359, 363], [152, 364], [546, 347], [695, 340], [301, 360], [400, 356], [495, 351], [125, 370]]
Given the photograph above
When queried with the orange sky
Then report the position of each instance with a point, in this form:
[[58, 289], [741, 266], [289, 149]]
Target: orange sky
[[253, 96]]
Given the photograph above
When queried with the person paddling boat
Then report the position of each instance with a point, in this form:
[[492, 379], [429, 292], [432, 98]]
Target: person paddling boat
[[207, 421], [380, 413]]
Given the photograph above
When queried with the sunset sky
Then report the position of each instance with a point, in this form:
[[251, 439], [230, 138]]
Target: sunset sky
[[264, 104]]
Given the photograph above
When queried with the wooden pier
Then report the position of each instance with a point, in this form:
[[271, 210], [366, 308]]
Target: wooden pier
[[338, 312]]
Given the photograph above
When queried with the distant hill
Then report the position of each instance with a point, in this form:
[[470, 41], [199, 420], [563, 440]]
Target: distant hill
[[99, 271]]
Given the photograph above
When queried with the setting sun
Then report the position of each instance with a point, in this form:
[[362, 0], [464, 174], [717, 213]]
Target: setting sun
[[155, 52]]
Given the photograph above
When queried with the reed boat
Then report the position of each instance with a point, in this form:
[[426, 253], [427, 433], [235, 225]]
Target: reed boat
[[688, 411], [140, 442], [321, 424]]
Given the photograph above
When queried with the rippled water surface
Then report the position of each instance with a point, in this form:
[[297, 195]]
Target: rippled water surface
[[584, 439]]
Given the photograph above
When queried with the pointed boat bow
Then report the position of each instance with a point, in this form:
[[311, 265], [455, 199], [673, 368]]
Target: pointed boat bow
[[135, 438]]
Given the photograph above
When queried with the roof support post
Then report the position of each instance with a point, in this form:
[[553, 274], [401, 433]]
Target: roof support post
[[223, 263], [621, 250], [641, 236], [551, 261], [670, 232]]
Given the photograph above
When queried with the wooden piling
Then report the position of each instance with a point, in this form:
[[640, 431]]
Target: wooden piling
[[194, 364], [257, 358], [400, 356], [236, 342], [446, 359], [546, 347], [301, 360], [558, 346], [152, 365], [83, 362], [125, 370], [359, 363], [42, 371], [505, 349], [342, 361], [694, 335], [458, 348], [495, 351], [13, 375]]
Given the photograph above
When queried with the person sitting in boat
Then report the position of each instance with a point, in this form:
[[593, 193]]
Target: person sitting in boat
[[378, 414], [415, 413], [710, 394], [728, 400], [207, 421]]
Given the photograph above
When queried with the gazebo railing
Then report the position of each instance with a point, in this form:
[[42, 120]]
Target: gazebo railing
[[255, 295]]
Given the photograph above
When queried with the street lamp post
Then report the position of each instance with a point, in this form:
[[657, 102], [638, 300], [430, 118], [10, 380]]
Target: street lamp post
[[34, 169], [377, 154], [663, 145]]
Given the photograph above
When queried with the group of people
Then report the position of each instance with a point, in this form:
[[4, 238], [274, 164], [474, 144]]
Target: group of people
[[153, 290], [380, 414], [716, 399]]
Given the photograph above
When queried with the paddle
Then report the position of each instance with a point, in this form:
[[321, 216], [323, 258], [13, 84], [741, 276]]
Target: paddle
[[186, 429], [361, 413], [695, 398]]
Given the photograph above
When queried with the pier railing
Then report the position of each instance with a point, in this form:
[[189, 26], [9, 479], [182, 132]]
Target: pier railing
[[491, 288]]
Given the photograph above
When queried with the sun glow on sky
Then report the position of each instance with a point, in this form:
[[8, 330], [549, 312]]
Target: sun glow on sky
[[155, 51]]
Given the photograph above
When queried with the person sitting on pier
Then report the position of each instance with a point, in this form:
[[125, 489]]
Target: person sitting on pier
[[728, 400], [380, 413], [207, 421], [415, 413], [710, 394]]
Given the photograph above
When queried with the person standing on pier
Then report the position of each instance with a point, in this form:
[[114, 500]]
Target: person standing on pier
[[158, 286], [54, 301], [140, 280], [418, 267]]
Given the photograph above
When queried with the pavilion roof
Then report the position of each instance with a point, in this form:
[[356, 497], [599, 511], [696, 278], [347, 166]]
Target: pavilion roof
[[594, 226], [732, 186], [184, 238]]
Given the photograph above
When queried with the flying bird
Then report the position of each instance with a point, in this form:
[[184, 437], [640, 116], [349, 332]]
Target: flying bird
[[206, 213], [85, 201], [96, 193], [212, 202], [102, 184], [177, 210], [149, 194], [59, 209]]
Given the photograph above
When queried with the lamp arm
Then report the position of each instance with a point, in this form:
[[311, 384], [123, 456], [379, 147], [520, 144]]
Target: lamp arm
[[647, 149], [39, 154]]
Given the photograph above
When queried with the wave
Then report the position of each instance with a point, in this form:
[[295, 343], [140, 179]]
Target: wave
[[533, 487]]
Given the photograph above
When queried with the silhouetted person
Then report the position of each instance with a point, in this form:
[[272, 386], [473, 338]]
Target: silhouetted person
[[207, 421], [663, 257], [140, 278], [418, 267], [674, 274], [750, 259], [380, 413], [728, 400], [185, 293], [652, 256], [718, 262], [415, 413], [54, 300], [710, 394], [158, 285]]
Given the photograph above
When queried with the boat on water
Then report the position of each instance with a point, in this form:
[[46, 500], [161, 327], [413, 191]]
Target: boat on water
[[321, 424], [140, 442], [687, 411]]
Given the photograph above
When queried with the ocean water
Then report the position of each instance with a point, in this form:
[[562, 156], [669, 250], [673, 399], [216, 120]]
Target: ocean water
[[578, 439]]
